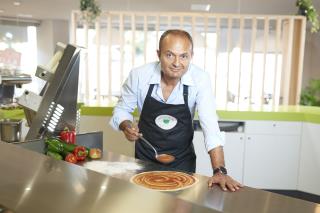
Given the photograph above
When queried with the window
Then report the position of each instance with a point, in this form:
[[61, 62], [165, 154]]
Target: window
[[251, 59]]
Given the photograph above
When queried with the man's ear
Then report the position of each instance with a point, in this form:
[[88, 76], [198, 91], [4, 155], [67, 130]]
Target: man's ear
[[158, 53]]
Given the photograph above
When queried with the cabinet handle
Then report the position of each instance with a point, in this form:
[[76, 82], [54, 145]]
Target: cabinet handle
[[274, 125], [241, 138], [249, 138]]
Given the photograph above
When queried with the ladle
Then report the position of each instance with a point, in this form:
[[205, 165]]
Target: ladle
[[163, 158]]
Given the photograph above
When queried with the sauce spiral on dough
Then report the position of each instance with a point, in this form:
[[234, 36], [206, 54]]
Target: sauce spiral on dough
[[164, 180]]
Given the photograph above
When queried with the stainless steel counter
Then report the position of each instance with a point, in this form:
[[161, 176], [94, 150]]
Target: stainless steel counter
[[32, 182], [246, 200]]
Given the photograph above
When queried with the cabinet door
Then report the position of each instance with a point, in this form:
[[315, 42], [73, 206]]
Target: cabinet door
[[233, 155], [203, 164], [309, 170], [271, 162], [273, 127]]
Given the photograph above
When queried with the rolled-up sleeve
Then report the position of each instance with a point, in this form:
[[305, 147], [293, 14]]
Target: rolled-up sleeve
[[208, 118], [127, 102]]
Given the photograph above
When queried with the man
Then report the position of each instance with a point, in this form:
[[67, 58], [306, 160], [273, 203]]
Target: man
[[167, 93]]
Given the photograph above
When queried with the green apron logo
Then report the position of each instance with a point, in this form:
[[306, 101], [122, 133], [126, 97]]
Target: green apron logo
[[166, 122]]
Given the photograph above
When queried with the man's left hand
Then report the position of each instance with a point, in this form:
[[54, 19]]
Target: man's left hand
[[225, 182]]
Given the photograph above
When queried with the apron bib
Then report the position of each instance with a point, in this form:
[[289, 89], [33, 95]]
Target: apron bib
[[169, 129]]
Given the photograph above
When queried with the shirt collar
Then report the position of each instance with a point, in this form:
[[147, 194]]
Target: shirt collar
[[185, 80]]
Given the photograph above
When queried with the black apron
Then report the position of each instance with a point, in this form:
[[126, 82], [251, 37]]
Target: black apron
[[176, 141]]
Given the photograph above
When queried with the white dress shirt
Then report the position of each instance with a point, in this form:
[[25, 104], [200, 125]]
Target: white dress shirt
[[200, 98]]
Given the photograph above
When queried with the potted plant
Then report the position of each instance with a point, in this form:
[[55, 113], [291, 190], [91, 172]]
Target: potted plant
[[90, 10], [306, 8], [310, 96]]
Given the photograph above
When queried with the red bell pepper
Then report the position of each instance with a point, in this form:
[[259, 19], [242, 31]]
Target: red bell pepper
[[68, 136], [80, 152]]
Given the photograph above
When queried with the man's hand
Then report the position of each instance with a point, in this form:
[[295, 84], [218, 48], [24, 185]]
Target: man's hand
[[225, 182], [130, 130]]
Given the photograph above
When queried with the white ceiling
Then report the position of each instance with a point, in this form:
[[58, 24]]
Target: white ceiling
[[60, 9]]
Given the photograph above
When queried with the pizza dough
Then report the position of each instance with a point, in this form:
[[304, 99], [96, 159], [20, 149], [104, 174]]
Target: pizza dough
[[164, 180]]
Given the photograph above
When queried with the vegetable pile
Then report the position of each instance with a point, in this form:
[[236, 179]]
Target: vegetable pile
[[69, 152]]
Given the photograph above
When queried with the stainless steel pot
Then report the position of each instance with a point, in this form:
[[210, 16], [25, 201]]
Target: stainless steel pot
[[10, 130]]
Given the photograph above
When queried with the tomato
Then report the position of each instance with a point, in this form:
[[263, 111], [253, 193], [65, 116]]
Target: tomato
[[95, 153]]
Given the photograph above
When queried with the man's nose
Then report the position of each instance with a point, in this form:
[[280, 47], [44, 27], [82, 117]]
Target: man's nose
[[176, 61]]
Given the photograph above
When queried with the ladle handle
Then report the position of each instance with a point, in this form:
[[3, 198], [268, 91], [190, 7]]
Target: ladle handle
[[147, 142]]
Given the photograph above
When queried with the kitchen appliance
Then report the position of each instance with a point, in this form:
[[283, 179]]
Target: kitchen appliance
[[10, 130], [8, 82], [55, 107]]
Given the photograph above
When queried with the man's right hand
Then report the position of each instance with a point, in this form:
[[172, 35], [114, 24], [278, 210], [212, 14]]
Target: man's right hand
[[130, 130]]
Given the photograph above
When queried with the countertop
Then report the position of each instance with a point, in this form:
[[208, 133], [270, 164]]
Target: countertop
[[33, 182], [281, 113]]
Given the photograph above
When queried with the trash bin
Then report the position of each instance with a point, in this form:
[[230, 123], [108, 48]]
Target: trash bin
[[10, 130]]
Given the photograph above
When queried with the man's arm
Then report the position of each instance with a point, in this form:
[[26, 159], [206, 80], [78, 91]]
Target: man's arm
[[224, 180], [213, 138], [217, 157], [126, 103]]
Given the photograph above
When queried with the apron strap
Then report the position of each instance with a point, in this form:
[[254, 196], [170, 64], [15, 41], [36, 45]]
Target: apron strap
[[185, 95], [150, 90], [148, 95]]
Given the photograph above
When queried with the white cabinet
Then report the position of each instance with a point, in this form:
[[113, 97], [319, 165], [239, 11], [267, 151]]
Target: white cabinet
[[271, 162], [309, 171], [265, 156], [273, 127], [203, 163], [233, 154], [272, 154]]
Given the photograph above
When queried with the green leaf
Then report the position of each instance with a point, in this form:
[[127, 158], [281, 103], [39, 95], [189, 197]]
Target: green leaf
[[310, 96], [307, 9]]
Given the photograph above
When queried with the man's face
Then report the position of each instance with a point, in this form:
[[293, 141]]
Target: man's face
[[175, 56]]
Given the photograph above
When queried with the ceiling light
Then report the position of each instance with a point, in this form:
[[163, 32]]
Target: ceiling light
[[9, 35], [27, 189], [1, 11], [200, 7], [16, 3], [24, 15]]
